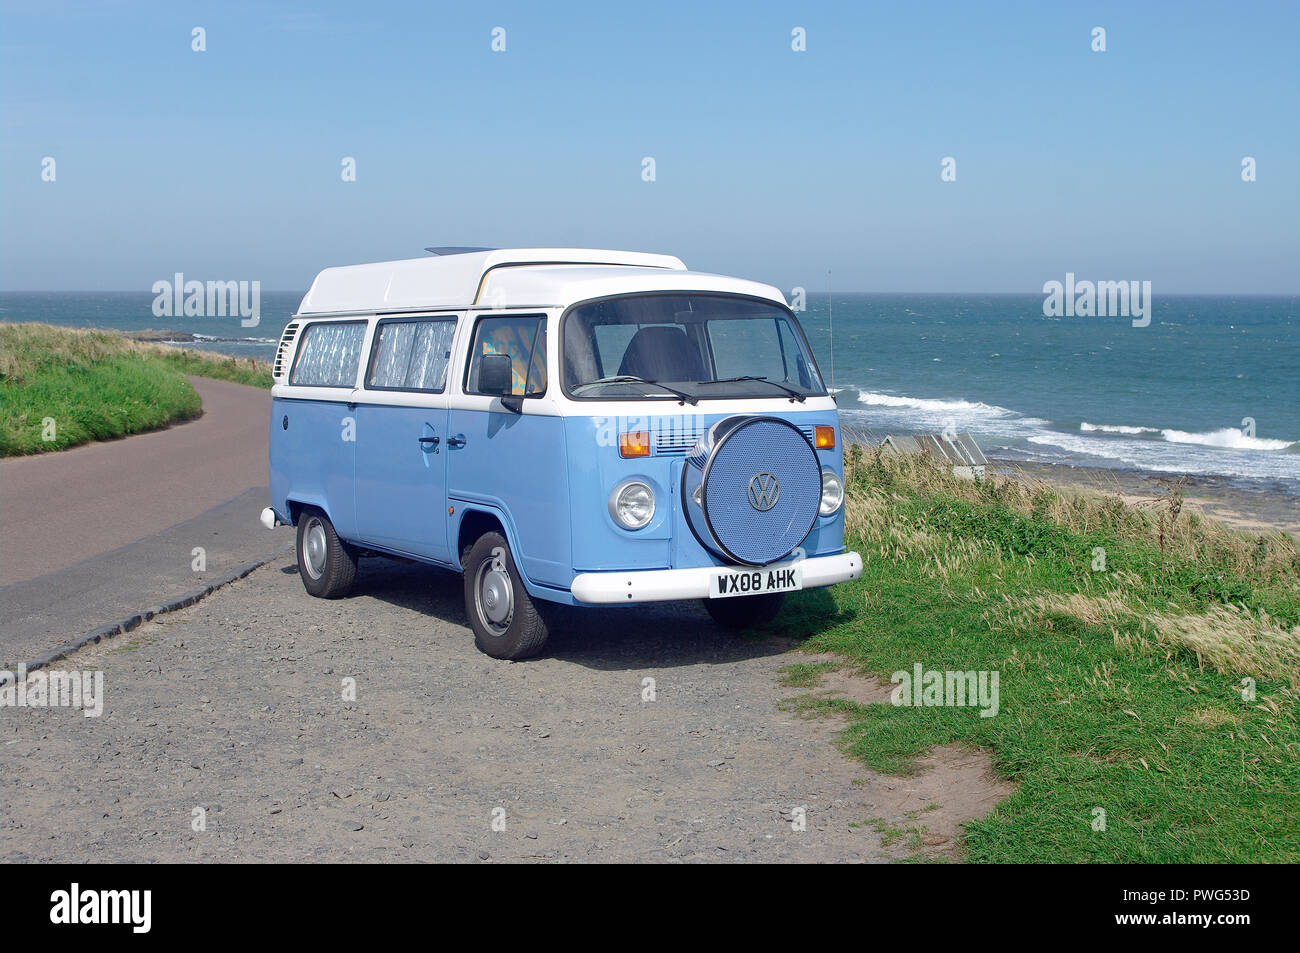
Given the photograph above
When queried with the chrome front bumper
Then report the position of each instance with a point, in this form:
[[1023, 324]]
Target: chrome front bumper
[[663, 585]]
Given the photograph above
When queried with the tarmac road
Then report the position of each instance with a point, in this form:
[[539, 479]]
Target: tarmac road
[[53, 506], [90, 534]]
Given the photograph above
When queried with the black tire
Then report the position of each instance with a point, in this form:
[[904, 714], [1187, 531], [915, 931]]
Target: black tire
[[326, 564], [745, 612], [504, 618]]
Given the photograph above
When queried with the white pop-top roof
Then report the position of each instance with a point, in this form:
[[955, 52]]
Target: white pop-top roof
[[509, 278]]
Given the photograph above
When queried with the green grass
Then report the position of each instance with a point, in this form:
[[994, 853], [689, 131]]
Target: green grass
[[1119, 689], [60, 387], [804, 674]]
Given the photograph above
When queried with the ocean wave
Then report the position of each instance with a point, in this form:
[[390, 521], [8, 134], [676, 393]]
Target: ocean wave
[[1229, 438], [1113, 428], [1143, 453], [1121, 451], [872, 399], [212, 338], [1229, 453]]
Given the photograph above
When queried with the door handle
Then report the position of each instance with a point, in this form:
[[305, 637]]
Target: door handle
[[455, 441], [428, 444], [428, 440]]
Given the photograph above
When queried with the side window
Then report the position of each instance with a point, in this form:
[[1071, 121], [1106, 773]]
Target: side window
[[329, 354], [411, 355], [523, 337]]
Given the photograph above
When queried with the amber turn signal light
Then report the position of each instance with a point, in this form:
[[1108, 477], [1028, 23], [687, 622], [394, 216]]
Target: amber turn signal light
[[824, 438], [634, 444]]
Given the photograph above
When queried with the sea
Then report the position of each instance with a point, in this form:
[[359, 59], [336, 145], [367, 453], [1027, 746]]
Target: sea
[[1210, 387]]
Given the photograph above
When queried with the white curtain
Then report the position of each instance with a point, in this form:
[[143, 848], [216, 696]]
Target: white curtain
[[413, 355], [329, 354]]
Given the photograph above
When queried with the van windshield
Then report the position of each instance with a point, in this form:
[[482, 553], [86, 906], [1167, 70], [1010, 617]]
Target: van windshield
[[686, 347]]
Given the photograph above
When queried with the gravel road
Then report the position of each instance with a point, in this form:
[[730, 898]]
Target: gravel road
[[230, 717]]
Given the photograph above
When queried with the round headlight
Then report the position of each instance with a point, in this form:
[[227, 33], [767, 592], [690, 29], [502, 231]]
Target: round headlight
[[832, 492], [632, 504]]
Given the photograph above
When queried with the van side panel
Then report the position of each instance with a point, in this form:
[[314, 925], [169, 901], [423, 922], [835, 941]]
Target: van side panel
[[517, 464], [312, 447], [400, 482]]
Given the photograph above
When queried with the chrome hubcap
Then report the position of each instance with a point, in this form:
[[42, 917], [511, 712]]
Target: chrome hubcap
[[495, 593], [315, 549]]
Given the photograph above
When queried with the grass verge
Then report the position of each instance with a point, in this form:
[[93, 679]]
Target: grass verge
[[1148, 662], [60, 387]]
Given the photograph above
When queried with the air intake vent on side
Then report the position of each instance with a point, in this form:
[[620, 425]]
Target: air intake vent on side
[[278, 370]]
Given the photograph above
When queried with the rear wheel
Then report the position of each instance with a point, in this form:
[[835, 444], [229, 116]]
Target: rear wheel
[[326, 564], [505, 620], [745, 612]]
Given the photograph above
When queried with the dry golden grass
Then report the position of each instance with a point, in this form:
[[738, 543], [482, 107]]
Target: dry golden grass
[[875, 475], [27, 348], [1100, 612], [24, 347], [1234, 641], [1228, 639], [1211, 717]]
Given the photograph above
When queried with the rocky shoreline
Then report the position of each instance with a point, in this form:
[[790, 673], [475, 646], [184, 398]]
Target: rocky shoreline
[[161, 337], [1259, 510]]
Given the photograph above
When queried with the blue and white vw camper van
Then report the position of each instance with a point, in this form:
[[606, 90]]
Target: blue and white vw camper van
[[560, 426]]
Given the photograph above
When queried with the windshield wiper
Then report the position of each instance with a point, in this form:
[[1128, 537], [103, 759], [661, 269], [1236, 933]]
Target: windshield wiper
[[794, 394], [632, 379]]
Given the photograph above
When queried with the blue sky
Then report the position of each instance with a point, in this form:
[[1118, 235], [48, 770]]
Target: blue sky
[[771, 164]]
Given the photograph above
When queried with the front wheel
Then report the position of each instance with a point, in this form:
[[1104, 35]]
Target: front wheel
[[326, 564], [505, 621], [745, 612]]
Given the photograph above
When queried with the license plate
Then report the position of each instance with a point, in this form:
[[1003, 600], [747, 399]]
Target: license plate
[[726, 583]]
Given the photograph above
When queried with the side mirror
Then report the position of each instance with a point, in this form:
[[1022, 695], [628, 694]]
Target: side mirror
[[495, 375]]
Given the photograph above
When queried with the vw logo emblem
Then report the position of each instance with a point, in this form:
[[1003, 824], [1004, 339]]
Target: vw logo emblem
[[764, 491]]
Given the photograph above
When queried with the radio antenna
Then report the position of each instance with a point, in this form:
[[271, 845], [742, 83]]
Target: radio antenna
[[830, 307]]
